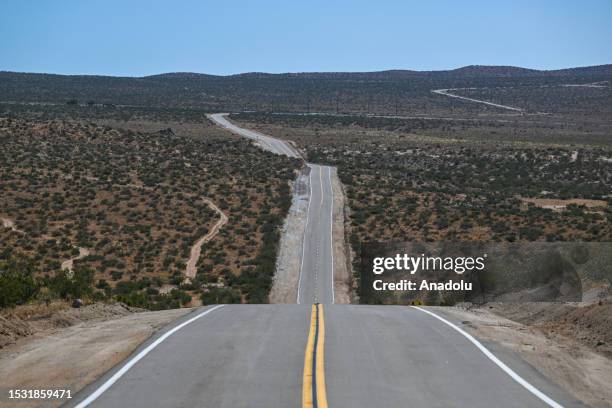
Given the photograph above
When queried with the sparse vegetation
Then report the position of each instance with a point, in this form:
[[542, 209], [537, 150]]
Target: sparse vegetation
[[132, 198], [435, 180]]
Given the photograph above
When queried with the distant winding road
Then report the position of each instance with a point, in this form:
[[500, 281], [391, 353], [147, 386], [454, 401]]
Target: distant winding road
[[447, 92], [264, 141]]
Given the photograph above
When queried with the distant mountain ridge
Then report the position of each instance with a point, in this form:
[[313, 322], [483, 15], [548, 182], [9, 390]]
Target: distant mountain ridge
[[384, 92], [469, 70]]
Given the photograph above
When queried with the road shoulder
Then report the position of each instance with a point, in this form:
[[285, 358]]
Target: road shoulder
[[584, 374], [74, 356]]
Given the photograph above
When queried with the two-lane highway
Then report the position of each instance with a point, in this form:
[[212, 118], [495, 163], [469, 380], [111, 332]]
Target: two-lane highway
[[239, 356], [316, 280]]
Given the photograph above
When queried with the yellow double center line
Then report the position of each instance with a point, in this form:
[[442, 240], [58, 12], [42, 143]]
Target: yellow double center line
[[314, 394]]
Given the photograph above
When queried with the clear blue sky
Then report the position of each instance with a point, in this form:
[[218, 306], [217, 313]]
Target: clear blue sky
[[134, 38]]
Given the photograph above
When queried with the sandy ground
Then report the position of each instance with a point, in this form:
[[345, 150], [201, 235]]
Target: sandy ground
[[284, 287], [196, 249], [342, 277], [8, 223], [589, 324], [587, 375], [558, 205], [67, 264], [71, 357]]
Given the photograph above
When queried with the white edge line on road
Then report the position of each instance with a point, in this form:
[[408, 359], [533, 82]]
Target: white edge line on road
[[321, 185], [497, 361], [331, 233], [305, 230], [108, 383]]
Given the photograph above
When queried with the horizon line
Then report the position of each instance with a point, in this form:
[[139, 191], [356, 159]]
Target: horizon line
[[309, 72]]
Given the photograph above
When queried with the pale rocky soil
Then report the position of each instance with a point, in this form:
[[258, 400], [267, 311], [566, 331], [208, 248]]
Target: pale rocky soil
[[65, 348], [551, 337], [342, 276], [284, 287], [67, 264], [8, 223], [559, 205]]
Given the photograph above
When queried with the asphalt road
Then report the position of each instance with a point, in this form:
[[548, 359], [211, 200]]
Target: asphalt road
[[394, 356], [375, 356], [266, 142], [362, 356], [316, 282]]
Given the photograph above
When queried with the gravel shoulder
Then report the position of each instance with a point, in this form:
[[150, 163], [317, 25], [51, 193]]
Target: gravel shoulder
[[342, 277], [71, 347], [284, 287], [580, 370]]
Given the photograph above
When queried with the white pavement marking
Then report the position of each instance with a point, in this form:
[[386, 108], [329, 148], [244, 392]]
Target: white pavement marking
[[549, 401], [305, 232], [321, 184], [93, 396]]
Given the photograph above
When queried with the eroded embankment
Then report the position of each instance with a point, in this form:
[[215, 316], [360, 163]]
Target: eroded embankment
[[582, 372], [58, 347]]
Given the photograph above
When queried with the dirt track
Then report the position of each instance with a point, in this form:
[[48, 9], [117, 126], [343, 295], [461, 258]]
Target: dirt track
[[8, 223], [196, 249], [67, 264]]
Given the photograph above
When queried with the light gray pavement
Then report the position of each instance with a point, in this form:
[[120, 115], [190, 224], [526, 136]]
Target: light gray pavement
[[266, 142], [316, 283], [396, 356], [236, 356], [375, 356]]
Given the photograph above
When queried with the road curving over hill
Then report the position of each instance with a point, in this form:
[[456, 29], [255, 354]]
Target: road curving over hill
[[264, 141], [332, 355], [316, 272]]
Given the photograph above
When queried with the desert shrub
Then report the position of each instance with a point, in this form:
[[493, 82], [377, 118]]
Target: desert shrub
[[220, 296], [17, 284], [79, 285]]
